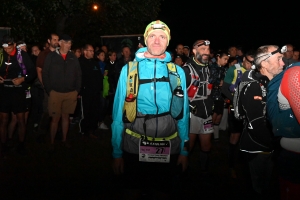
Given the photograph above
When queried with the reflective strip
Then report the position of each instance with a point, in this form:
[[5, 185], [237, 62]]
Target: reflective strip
[[137, 135]]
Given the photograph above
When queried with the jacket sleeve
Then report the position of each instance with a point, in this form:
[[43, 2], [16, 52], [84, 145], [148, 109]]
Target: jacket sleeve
[[46, 73], [30, 68], [78, 74], [257, 127], [117, 125], [225, 91], [183, 124], [214, 76]]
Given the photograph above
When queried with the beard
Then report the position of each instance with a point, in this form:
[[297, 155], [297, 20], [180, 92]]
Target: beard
[[199, 57]]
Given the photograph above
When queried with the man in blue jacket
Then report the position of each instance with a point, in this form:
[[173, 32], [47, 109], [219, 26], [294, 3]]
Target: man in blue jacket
[[154, 144]]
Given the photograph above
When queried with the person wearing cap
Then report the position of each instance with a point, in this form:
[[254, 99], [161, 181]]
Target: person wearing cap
[[62, 82], [16, 70], [197, 76], [232, 79], [257, 137], [153, 126], [186, 51]]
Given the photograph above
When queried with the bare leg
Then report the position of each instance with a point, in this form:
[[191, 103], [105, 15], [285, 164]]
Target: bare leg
[[3, 126], [65, 126], [12, 125], [21, 126], [53, 128], [192, 140]]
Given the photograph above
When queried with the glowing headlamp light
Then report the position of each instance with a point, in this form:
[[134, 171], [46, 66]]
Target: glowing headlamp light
[[21, 45], [5, 45], [158, 26]]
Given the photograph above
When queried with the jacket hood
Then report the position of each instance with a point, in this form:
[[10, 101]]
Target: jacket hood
[[139, 55]]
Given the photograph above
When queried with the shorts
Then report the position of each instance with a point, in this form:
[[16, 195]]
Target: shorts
[[12, 100], [62, 103], [234, 125], [201, 126], [218, 107]]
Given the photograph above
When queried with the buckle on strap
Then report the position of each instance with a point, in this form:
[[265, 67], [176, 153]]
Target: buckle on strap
[[137, 135]]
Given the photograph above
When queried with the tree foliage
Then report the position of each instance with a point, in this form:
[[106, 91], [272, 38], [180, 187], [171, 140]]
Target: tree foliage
[[32, 20]]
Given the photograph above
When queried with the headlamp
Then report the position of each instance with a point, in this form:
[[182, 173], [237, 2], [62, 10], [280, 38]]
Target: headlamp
[[158, 26], [206, 43], [6, 44], [21, 45], [281, 51]]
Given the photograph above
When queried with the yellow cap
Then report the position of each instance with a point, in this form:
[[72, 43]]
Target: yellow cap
[[157, 25]]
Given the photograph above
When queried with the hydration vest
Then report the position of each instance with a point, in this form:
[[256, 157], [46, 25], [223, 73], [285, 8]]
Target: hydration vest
[[196, 84], [237, 78], [132, 88], [284, 123]]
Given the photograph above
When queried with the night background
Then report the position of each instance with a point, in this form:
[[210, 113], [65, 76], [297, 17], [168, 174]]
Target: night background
[[246, 23], [84, 171]]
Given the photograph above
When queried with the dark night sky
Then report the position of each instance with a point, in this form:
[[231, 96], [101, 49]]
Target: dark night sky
[[248, 24]]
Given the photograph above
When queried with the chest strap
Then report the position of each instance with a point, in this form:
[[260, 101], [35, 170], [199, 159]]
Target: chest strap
[[137, 135]]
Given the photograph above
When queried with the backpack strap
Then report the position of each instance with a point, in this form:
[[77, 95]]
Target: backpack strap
[[20, 61], [132, 78]]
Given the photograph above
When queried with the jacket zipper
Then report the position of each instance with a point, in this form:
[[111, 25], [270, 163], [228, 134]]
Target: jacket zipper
[[155, 98]]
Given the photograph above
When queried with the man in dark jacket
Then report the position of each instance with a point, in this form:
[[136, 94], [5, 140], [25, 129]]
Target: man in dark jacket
[[62, 82], [91, 91], [256, 137]]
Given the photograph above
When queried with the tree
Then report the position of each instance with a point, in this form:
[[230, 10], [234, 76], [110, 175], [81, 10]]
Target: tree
[[32, 20]]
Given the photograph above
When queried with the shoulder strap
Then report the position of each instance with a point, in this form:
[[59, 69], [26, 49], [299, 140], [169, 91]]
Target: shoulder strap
[[173, 71], [20, 61], [132, 78]]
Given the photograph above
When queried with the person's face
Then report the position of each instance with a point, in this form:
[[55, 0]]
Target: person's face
[[178, 61], [157, 42], [239, 52], [104, 48], [101, 56], [77, 53], [10, 48], [89, 52], [113, 57], [24, 48], [223, 60], [54, 41], [247, 65], [179, 49], [232, 52], [65, 46], [186, 51], [272, 65], [202, 53], [296, 55], [35, 50], [289, 53], [126, 52]]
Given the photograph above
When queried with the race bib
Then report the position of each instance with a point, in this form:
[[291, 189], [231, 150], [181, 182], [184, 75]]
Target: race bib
[[154, 151], [208, 126]]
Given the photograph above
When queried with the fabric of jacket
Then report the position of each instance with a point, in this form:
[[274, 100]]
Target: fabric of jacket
[[204, 107], [217, 74], [257, 134], [14, 70], [92, 78], [61, 75], [152, 98]]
